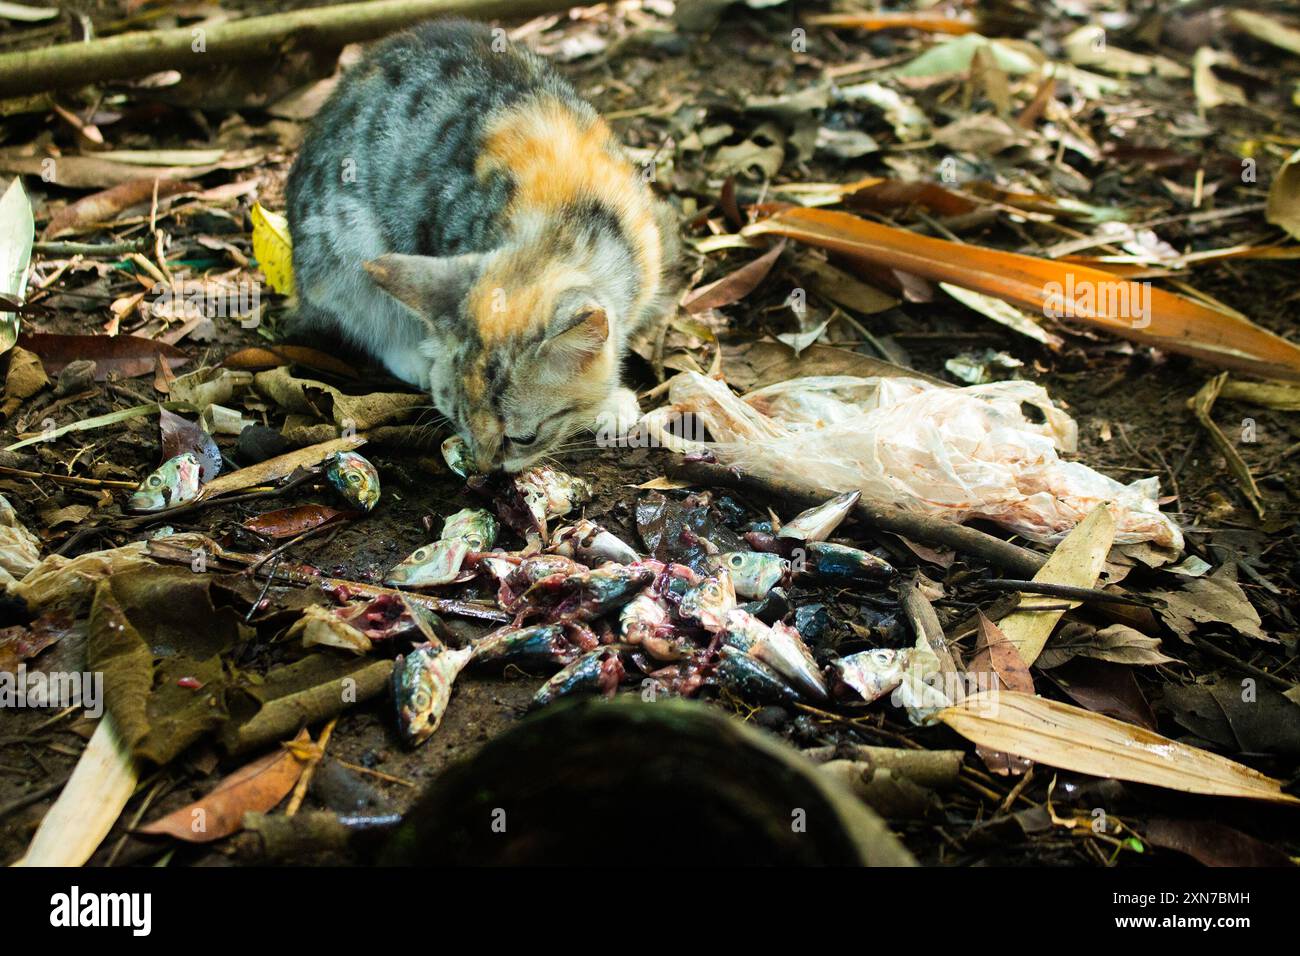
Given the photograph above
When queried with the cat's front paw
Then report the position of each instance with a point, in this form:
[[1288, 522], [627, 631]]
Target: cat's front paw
[[619, 415]]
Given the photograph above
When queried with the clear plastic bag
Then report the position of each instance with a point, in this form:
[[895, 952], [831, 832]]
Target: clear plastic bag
[[957, 453]]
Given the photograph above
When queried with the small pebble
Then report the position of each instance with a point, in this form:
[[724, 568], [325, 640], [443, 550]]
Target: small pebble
[[258, 443]]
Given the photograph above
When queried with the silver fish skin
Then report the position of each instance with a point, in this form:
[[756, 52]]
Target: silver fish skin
[[422, 682], [475, 526], [841, 562], [600, 670], [872, 674], [354, 478], [709, 602], [175, 482], [539, 644], [779, 647], [752, 680], [455, 452], [753, 573], [591, 544], [430, 565], [818, 524]]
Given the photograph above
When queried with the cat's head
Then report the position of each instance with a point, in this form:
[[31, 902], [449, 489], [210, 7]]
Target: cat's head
[[521, 352]]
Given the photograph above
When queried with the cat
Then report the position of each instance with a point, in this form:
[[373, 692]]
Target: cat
[[459, 212]]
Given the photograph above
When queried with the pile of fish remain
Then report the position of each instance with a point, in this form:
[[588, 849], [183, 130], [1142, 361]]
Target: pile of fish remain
[[583, 601]]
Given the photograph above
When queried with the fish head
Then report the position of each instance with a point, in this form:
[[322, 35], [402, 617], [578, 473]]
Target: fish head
[[173, 483]]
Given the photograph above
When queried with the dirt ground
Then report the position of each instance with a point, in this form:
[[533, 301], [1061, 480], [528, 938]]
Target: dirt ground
[[1131, 405]]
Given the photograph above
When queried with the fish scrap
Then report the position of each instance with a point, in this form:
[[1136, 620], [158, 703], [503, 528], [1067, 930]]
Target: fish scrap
[[175, 482], [422, 682], [354, 478], [583, 600]]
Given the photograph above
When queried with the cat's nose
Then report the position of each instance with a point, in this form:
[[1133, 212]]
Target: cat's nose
[[488, 460]]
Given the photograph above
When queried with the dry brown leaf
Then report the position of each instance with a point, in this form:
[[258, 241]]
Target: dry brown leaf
[[999, 665], [254, 788], [103, 207], [1068, 737], [125, 355], [734, 286]]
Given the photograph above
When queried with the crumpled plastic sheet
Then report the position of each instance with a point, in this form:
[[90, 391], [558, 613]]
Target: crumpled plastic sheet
[[957, 453]]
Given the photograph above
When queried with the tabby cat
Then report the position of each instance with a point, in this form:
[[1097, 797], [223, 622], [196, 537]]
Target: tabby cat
[[458, 211]]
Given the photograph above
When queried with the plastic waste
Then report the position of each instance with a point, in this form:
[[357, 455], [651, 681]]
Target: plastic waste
[[957, 453]]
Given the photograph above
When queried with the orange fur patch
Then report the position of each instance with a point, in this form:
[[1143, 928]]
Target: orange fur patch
[[557, 159]]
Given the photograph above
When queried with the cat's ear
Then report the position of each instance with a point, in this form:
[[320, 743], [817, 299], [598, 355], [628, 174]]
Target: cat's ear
[[430, 286], [578, 336]]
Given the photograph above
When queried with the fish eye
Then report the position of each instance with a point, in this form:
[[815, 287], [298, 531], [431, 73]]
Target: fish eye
[[736, 560], [523, 441], [155, 481], [354, 478], [475, 542], [421, 554]]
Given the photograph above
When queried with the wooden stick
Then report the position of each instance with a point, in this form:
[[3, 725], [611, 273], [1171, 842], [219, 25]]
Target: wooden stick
[[254, 38], [876, 514]]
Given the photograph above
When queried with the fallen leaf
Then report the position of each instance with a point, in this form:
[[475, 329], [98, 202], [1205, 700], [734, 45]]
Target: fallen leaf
[[26, 377], [71, 581], [103, 207], [304, 396], [1004, 313], [92, 800], [1213, 599], [256, 787], [1117, 643], [181, 435], [290, 522], [123, 355], [930, 22], [1267, 29], [1238, 716], [1144, 314], [1105, 688], [997, 665], [1068, 737], [1283, 208], [17, 231], [1077, 561], [273, 248], [96, 172], [1213, 844], [734, 286], [274, 356]]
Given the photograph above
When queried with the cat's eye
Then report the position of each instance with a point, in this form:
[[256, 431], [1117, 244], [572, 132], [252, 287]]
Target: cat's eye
[[522, 442]]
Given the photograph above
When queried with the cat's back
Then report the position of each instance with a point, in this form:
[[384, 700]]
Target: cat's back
[[389, 164]]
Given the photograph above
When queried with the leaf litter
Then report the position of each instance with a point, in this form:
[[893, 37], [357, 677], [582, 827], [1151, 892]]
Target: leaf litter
[[820, 209]]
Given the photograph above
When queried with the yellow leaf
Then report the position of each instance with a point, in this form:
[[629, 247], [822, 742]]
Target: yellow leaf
[[1077, 561], [1071, 738], [273, 248]]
